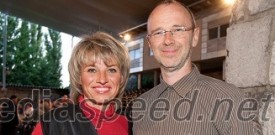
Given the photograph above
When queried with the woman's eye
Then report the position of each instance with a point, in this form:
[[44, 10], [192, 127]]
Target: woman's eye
[[91, 70], [112, 70]]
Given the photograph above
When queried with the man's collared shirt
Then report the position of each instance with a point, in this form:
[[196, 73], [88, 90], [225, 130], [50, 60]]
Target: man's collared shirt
[[194, 105]]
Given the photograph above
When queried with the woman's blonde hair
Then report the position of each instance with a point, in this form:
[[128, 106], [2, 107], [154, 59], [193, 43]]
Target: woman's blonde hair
[[102, 46]]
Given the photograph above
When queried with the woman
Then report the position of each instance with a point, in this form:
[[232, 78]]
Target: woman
[[99, 69]]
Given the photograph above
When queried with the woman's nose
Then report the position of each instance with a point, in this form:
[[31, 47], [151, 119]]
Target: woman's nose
[[102, 78]]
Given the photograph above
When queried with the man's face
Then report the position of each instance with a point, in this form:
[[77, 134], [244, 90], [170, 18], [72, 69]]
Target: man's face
[[171, 50]]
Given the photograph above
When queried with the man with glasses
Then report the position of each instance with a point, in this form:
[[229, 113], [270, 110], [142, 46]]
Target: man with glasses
[[186, 102]]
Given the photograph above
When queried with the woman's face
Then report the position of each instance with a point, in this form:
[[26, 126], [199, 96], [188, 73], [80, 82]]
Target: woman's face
[[100, 82]]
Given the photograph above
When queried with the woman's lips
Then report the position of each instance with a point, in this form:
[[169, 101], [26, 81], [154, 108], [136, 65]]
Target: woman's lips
[[101, 89]]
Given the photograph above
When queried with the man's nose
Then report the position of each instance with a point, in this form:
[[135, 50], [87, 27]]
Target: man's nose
[[168, 38]]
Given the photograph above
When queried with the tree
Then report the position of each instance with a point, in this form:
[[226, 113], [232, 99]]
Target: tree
[[31, 59], [51, 64], [12, 33], [26, 55]]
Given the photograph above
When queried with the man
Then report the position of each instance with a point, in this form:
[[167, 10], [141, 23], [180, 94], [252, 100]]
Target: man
[[186, 102]]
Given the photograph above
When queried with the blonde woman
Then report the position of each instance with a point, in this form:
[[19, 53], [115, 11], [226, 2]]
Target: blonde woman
[[99, 69]]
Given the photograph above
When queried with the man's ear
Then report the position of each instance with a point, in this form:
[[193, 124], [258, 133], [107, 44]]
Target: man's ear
[[196, 35]]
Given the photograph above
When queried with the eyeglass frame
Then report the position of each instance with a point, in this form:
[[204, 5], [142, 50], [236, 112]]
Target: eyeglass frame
[[163, 32]]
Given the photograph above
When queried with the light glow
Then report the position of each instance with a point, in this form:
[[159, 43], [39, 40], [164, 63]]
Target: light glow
[[127, 37], [229, 2]]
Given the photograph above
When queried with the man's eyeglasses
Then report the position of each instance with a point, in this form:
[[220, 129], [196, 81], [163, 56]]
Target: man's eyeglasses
[[175, 32]]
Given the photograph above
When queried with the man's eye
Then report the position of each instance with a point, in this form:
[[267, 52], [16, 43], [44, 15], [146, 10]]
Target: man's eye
[[92, 70], [112, 70], [157, 33], [178, 30]]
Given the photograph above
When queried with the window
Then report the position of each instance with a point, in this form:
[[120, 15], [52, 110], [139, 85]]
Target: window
[[135, 53], [147, 80], [213, 33], [135, 56], [132, 83], [217, 32], [223, 30]]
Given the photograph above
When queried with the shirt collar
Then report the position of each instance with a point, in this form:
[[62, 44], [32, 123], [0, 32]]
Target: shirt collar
[[184, 85]]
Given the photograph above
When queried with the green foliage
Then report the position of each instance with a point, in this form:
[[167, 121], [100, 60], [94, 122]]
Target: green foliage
[[51, 64], [33, 57]]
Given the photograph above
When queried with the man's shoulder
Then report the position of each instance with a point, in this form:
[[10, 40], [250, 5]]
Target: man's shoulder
[[218, 86], [206, 80]]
